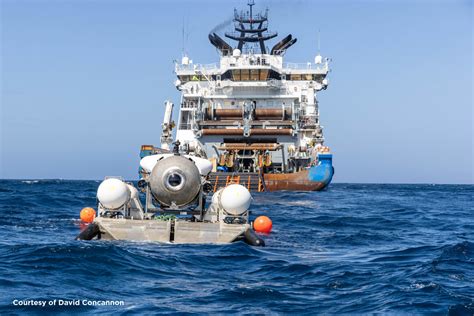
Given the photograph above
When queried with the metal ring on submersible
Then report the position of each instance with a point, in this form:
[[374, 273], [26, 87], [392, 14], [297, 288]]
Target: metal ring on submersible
[[174, 179]]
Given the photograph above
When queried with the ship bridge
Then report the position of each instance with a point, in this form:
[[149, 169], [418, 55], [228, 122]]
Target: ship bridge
[[251, 67]]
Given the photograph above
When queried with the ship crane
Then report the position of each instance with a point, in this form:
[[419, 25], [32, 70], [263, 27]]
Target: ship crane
[[167, 126]]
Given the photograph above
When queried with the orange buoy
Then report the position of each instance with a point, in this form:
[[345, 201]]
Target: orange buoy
[[87, 214], [262, 224]]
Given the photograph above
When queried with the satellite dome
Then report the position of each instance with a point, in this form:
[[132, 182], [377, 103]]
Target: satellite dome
[[318, 59], [236, 52]]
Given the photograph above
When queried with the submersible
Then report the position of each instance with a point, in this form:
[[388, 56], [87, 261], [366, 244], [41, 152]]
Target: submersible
[[175, 188]]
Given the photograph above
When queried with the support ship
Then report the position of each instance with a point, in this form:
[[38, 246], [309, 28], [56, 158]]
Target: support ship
[[254, 116]]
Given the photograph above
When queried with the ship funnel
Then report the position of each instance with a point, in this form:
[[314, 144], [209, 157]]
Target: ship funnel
[[220, 44]]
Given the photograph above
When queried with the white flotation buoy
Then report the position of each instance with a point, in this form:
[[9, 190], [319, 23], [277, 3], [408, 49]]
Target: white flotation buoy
[[235, 199], [113, 193]]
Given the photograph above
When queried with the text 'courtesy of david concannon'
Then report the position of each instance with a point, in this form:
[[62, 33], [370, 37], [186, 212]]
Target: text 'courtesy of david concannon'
[[61, 302]]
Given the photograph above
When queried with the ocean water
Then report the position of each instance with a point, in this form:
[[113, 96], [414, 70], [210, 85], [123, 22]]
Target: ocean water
[[352, 249]]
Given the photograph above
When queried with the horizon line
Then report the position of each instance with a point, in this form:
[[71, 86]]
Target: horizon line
[[333, 182]]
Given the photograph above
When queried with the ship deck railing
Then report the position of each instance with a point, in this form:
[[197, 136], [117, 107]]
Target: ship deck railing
[[253, 181], [238, 122], [197, 67], [306, 66], [249, 62]]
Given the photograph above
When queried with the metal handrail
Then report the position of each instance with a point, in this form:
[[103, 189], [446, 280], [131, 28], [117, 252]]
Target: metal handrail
[[302, 66], [202, 67]]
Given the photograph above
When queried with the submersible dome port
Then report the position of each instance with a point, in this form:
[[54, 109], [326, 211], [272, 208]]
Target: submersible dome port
[[174, 179]]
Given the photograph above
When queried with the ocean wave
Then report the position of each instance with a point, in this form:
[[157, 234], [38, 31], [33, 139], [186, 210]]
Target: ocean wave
[[352, 249], [463, 250], [30, 181]]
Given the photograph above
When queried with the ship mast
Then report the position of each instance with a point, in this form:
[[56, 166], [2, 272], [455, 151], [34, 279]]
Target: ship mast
[[250, 29]]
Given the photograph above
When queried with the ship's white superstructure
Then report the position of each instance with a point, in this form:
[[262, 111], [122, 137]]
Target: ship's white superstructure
[[262, 79]]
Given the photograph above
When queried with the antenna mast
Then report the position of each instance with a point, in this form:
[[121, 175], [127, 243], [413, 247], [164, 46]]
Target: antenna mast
[[251, 3], [182, 36], [250, 29], [319, 41]]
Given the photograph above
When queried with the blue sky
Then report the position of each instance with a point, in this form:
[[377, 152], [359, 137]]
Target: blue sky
[[83, 82]]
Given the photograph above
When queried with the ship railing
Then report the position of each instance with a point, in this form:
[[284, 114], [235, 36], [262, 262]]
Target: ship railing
[[188, 105], [274, 83], [253, 60], [303, 66], [197, 67], [257, 84], [246, 15]]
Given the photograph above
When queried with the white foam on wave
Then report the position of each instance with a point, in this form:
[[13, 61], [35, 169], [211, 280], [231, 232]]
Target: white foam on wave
[[300, 203], [420, 286]]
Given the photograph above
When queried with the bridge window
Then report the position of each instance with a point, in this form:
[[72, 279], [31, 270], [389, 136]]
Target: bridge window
[[275, 75], [298, 77], [183, 79], [244, 74], [236, 75], [226, 75], [295, 77], [253, 74]]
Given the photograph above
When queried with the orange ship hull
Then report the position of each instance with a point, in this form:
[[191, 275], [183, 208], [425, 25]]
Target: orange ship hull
[[298, 181]]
